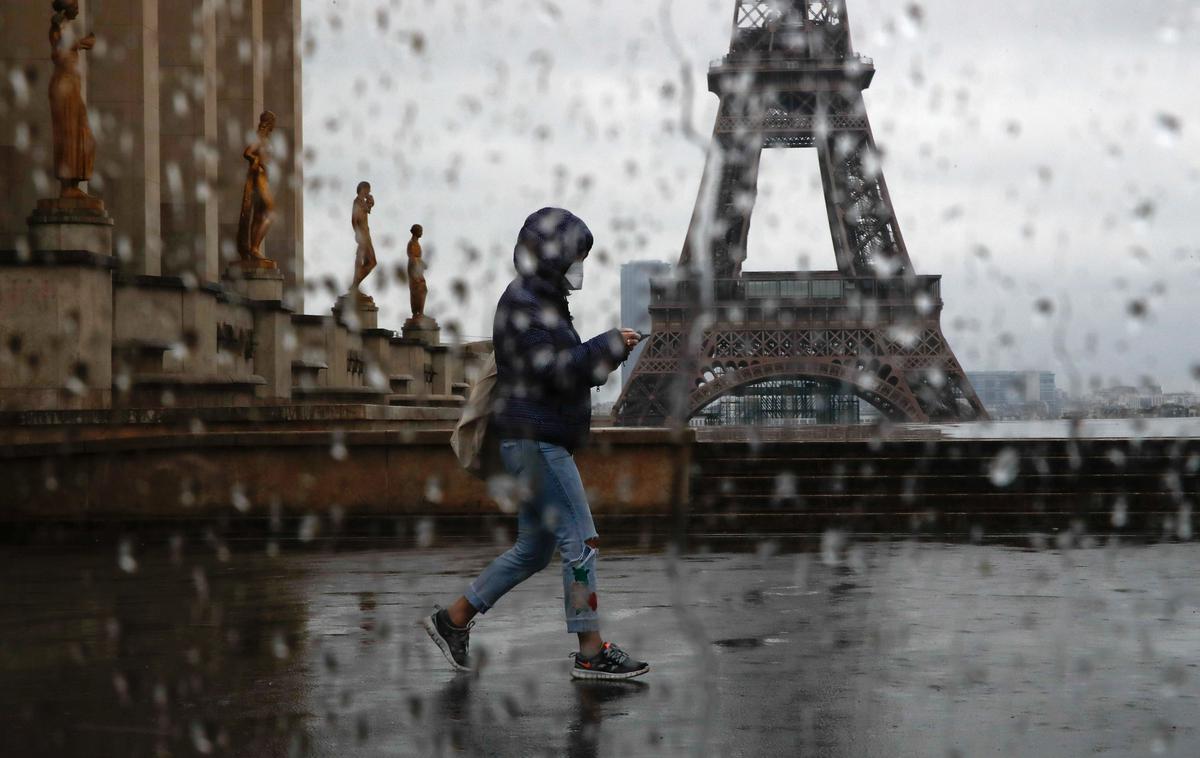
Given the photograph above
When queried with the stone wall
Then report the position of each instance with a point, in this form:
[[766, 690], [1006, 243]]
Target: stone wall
[[56, 324], [186, 476], [77, 336]]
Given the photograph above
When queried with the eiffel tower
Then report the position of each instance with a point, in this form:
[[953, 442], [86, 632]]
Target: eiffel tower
[[872, 327]]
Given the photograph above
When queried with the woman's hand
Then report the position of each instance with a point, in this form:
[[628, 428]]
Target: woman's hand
[[88, 42], [630, 337]]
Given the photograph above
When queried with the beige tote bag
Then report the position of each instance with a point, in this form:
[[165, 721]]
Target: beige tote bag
[[476, 448]]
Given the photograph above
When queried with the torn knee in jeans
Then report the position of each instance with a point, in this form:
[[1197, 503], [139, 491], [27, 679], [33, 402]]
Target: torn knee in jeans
[[588, 552]]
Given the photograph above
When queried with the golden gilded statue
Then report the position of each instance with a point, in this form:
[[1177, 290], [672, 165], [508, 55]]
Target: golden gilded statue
[[417, 289], [364, 256], [258, 205], [74, 145]]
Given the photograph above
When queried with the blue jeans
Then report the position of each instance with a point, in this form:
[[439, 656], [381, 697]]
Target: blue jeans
[[553, 515]]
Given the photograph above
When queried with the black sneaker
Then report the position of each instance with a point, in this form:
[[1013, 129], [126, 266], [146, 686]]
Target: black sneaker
[[452, 640], [610, 663]]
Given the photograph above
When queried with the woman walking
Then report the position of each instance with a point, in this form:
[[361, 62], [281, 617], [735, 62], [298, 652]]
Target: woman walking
[[542, 414]]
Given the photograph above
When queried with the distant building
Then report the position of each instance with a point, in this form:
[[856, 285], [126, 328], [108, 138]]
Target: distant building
[[1018, 394], [635, 302], [1124, 398]]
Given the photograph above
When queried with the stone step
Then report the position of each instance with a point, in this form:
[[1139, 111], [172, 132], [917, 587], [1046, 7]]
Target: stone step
[[1041, 527], [184, 390], [336, 395], [920, 484]]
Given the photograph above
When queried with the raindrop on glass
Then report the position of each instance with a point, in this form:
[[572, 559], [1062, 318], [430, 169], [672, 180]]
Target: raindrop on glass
[[125, 559], [1004, 467]]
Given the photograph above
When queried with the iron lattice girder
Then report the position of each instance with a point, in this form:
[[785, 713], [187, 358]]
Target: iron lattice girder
[[792, 79], [866, 238], [908, 377], [815, 28], [895, 401]]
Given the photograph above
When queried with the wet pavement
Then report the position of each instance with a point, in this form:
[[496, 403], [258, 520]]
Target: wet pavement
[[850, 649]]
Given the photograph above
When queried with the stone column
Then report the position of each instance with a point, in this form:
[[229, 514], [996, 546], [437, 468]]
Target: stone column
[[377, 348], [123, 97], [439, 358], [188, 122], [281, 65], [239, 101], [274, 351]]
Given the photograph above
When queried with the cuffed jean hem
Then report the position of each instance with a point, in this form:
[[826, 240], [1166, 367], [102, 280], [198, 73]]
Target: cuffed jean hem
[[478, 603], [583, 625]]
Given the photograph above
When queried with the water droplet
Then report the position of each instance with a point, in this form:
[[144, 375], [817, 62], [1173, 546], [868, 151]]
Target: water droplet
[[238, 496], [1183, 527], [1167, 129], [425, 532], [1005, 467], [200, 740], [911, 21], [832, 543], [785, 485], [337, 449], [549, 13], [310, 526], [433, 490], [1120, 513], [125, 559], [279, 646]]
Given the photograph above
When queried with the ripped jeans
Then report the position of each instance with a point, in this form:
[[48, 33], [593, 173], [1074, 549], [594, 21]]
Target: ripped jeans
[[554, 515]]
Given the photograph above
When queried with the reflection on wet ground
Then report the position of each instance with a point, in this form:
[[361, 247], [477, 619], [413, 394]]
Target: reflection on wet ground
[[855, 649]]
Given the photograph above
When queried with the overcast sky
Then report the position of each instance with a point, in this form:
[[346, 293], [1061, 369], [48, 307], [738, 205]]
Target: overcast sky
[[1042, 157]]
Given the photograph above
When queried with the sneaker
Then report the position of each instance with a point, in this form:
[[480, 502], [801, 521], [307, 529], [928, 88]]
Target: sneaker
[[450, 639], [610, 663]]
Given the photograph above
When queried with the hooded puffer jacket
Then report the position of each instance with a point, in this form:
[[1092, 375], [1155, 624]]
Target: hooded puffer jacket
[[544, 371]]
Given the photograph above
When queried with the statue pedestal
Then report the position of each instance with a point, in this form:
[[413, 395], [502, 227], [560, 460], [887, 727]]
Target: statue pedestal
[[256, 280], [56, 316], [422, 329], [74, 224], [358, 310]]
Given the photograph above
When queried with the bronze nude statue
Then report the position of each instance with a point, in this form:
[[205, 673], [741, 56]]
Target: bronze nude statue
[[74, 145], [258, 205], [417, 289], [364, 256]]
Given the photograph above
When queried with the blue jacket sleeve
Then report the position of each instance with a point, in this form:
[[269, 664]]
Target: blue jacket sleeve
[[588, 363]]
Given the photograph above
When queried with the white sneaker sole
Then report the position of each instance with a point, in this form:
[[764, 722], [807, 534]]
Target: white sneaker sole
[[431, 630], [578, 673]]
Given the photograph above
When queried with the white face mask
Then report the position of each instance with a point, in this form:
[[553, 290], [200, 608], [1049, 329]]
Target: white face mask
[[574, 276]]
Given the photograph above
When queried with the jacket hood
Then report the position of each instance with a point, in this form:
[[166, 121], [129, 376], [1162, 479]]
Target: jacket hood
[[550, 241]]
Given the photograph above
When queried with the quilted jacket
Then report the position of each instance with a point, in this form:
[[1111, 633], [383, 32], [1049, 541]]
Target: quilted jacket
[[545, 373]]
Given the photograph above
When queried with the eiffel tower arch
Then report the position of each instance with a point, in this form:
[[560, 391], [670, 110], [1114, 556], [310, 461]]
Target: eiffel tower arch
[[872, 327]]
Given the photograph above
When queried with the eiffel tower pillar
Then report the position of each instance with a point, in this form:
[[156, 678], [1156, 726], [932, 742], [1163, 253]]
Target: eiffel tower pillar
[[871, 327]]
